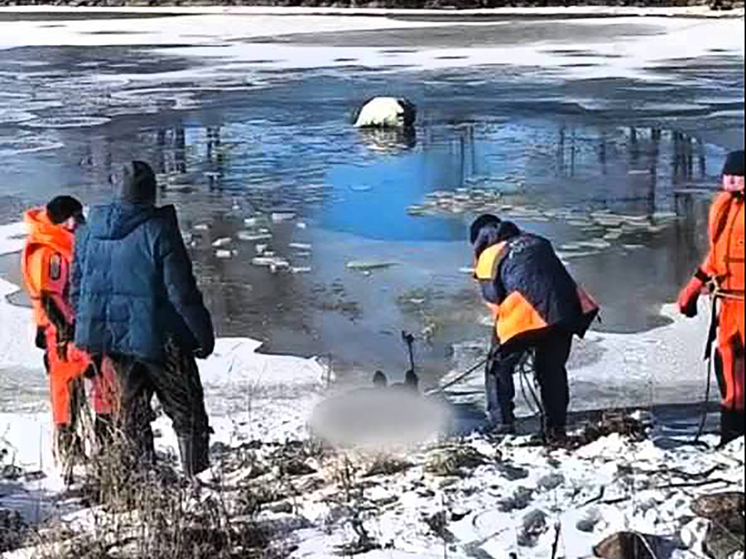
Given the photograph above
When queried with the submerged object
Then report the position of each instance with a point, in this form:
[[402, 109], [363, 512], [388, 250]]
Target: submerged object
[[386, 112]]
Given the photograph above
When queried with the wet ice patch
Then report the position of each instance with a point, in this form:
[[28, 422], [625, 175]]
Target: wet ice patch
[[26, 143], [68, 122], [12, 116]]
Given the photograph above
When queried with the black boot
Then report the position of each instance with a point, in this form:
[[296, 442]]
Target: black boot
[[556, 435], [731, 425], [195, 453]]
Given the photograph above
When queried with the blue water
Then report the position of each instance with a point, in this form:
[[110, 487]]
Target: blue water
[[290, 146]]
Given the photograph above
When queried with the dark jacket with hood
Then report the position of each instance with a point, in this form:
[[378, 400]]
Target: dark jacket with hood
[[529, 287], [133, 285]]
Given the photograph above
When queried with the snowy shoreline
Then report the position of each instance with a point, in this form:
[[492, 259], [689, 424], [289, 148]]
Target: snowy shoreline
[[558, 12]]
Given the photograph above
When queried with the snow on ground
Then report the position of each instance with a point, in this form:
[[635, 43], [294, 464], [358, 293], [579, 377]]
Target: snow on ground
[[608, 486], [601, 11], [12, 237], [17, 349], [249, 396]]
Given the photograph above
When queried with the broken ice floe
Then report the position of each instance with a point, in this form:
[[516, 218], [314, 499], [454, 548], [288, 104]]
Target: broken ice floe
[[67, 122], [13, 116], [223, 241], [605, 227], [365, 266], [280, 217], [26, 143], [274, 263], [224, 253], [253, 236]]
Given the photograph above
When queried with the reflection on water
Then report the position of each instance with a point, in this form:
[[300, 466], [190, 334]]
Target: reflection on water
[[383, 140], [291, 150]]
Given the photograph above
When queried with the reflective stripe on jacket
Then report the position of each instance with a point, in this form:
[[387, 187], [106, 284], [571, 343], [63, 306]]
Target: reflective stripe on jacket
[[532, 289]]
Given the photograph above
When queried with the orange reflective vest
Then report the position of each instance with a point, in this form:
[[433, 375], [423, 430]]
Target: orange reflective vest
[[46, 266], [725, 264], [517, 315]]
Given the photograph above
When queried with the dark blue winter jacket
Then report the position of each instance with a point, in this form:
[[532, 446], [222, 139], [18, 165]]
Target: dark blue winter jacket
[[133, 287]]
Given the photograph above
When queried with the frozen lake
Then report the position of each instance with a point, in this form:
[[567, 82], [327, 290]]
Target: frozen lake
[[606, 135]]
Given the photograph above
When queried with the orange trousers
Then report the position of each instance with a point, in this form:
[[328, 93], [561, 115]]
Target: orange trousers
[[731, 348], [71, 366]]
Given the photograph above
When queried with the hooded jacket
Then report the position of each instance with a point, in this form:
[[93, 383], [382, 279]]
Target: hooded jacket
[[133, 286], [45, 264], [528, 287]]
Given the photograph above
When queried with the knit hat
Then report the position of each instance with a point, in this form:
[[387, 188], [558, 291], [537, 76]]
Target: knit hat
[[734, 164], [62, 208], [137, 184], [482, 221]]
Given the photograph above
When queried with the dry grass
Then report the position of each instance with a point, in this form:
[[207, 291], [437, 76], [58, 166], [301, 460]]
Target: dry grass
[[151, 512]]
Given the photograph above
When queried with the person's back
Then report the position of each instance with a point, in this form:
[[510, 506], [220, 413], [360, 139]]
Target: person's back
[[137, 301], [521, 273], [534, 269], [134, 286]]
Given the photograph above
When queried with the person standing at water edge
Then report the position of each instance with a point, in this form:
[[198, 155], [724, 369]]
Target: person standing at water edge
[[46, 264], [723, 271], [137, 301], [537, 306]]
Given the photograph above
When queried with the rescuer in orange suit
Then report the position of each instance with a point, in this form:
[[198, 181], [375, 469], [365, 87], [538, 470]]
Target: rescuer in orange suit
[[46, 265], [723, 273]]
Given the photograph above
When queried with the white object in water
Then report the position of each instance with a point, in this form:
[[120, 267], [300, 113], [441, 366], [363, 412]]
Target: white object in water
[[360, 266], [224, 241], [253, 237], [272, 262], [386, 112], [279, 217]]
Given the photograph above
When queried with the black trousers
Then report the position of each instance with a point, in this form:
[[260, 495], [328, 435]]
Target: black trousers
[[732, 421], [551, 351], [178, 387]]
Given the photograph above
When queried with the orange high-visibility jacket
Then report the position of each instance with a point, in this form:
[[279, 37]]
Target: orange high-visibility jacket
[[725, 260], [531, 290], [46, 266], [725, 263]]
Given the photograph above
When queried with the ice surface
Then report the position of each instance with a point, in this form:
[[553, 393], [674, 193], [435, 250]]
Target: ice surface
[[661, 366], [219, 35], [12, 237]]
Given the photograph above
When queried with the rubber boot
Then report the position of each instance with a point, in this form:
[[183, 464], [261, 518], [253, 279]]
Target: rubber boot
[[731, 425], [556, 435], [195, 454]]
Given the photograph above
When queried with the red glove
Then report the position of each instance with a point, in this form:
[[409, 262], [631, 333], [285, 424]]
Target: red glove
[[689, 296]]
